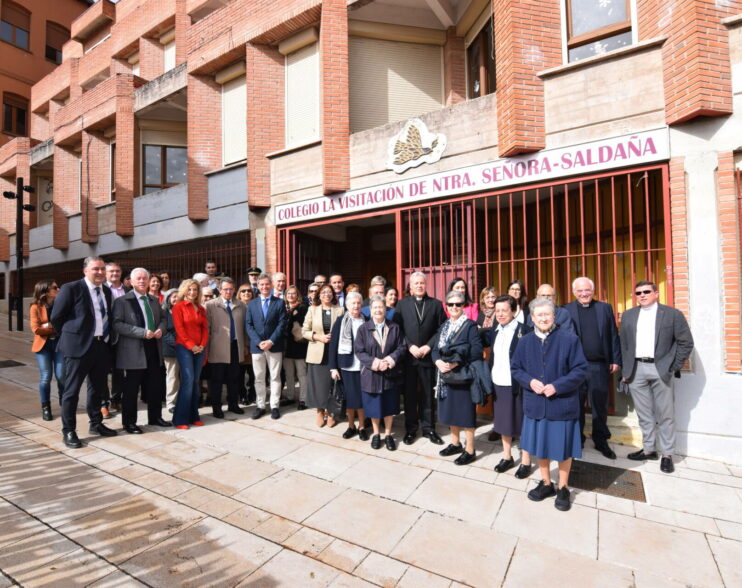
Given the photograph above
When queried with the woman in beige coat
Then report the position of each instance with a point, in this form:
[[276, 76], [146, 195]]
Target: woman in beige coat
[[316, 329]]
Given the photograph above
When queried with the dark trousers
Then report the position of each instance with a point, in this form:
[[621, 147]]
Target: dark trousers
[[247, 391], [229, 374], [418, 400], [94, 364], [596, 388], [150, 379]]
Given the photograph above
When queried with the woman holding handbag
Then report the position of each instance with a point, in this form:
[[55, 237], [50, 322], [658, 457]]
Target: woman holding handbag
[[45, 344], [456, 346], [295, 355]]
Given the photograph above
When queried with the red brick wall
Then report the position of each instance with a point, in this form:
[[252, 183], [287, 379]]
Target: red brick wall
[[96, 169], [678, 278], [265, 118], [127, 165], [697, 71], [454, 68], [527, 40], [66, 187], [204, 141], [334, 97], [182, 23], [151, 58], [729, 236]]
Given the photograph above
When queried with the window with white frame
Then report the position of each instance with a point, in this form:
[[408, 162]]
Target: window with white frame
[[302, 94], [595, 27], [168, 49]]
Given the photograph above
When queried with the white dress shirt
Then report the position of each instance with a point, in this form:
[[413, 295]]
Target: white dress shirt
[[96, 307], [501, 354], [645, 331]]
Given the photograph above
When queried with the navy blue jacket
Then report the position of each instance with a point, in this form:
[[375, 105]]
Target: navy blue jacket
[[74, 319], [557, 360], [606, 328], [335, 360], [272, 327]]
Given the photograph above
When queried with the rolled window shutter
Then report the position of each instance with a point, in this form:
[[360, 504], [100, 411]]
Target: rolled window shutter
[[302, 96]]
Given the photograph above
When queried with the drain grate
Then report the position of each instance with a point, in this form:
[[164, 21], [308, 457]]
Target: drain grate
[[607, 480], [10, 363]]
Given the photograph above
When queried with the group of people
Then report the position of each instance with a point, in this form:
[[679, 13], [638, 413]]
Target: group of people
[[338, 352]]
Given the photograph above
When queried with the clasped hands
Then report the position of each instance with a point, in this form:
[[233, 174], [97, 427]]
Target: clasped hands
[[446, 366], [153, 334], [540, 388]]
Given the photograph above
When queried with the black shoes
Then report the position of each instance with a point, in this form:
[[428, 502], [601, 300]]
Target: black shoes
[[542, 491], [505, 465], [605, 450], [409, 438], [523, 471], [641, 456], [363, 434], [390, 443], [133, 429], [433, 436], [666, 465], [46, 411], [286, 402], [302, 406], [376, 442], [259, 412], [465, 458], [236, 410], [71, 440], [562, 499], [450, 450], [275, 413], [350, 432], [494, 436], [217, 412], [102, 430], [160, 422]]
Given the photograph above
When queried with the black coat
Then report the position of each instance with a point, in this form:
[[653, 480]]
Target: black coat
[[367, 348], [416, 332], [606, 328], [489, 340], [73, 317]]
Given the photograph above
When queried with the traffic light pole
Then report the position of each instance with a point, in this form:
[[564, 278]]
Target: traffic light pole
[[17, 300]]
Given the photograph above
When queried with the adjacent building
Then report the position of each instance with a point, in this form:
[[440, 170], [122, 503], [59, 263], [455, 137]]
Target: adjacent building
[[488, 139]]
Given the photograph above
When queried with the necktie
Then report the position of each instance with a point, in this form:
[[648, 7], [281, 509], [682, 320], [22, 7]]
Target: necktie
[[148, 313], [104, 316], [232, 332], [265, 307]]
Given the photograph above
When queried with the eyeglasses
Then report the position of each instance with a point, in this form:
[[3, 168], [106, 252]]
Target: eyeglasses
[[641, 292], [53, 287], [242, 291], [456, 304]]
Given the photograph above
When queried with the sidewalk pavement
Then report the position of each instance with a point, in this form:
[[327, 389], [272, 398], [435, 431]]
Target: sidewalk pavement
[[281, 503]]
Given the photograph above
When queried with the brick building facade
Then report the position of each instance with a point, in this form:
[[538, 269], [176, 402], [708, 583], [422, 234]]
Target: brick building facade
[[603, 143]]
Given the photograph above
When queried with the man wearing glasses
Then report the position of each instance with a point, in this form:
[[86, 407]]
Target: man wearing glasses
[[655, 342]]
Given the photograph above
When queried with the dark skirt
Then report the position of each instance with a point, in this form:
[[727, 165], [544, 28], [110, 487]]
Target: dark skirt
[[352, 389], [319, 385], [555, 440], [377, 406], [457, 409], [508, 412]]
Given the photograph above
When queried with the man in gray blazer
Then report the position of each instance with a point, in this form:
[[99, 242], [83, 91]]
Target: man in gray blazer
[[138, 323], [655, 342]]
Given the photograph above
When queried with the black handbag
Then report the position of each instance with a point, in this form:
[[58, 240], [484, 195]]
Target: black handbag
[[336, 402], [459, 376]]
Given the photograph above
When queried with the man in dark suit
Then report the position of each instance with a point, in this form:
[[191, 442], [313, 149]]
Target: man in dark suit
[[595, 325], [655, 342], [81, 316], [265, 321], [138, 324], [420, 317]]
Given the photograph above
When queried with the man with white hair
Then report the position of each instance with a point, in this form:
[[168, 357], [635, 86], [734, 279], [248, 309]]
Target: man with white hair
[[595, 325], [279, 284], [138, 324]]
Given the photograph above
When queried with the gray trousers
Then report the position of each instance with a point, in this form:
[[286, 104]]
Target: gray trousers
[[655, 406]]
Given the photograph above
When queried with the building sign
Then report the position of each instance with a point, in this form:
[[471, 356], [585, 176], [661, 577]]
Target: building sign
[[627, 150], [414, 145]]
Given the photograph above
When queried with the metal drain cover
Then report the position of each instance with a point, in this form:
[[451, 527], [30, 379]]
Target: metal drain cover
[[10, 363], [607, 480]]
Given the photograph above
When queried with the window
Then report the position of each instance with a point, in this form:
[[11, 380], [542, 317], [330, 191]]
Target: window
[[234, 120], [169, 56], [302, 96], [15, 114], [164, 166], [56, 37], [480, 62], [15, 24], [595, 27]]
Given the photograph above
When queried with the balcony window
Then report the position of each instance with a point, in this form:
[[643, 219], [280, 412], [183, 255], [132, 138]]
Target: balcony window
[[56, 37], [595, 27], [15, 24], [164, 166], [15, 114], [480, 62]]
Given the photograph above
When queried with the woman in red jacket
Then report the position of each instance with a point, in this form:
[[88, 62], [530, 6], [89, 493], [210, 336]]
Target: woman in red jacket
[[191, 337]]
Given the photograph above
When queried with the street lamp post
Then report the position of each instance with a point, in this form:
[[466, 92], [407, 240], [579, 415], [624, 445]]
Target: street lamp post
[[17, 301]]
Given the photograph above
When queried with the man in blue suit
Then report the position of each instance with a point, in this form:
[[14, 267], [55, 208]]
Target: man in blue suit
[[265, 322], [595, 325], [82, 317]]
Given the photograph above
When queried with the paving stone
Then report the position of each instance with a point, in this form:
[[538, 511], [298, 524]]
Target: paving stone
[[228, 474], [348, 581], [343, 555], [636, 543], [16, 524], [174, 457], [247, 517], [308, 542], [78, 568], [615, 504], [728, 554], [730, 530], [465, 552], [117, 579], [415, 577], [291, 569], [381, 570], [375, 523], [319, 460], [276, 529], [20, 559], [675, 518], [382, 477]]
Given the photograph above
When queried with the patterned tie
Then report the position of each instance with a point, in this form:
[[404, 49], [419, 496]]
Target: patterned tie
[[265, 307], [232, 332], [103, 314], [148, 313]]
